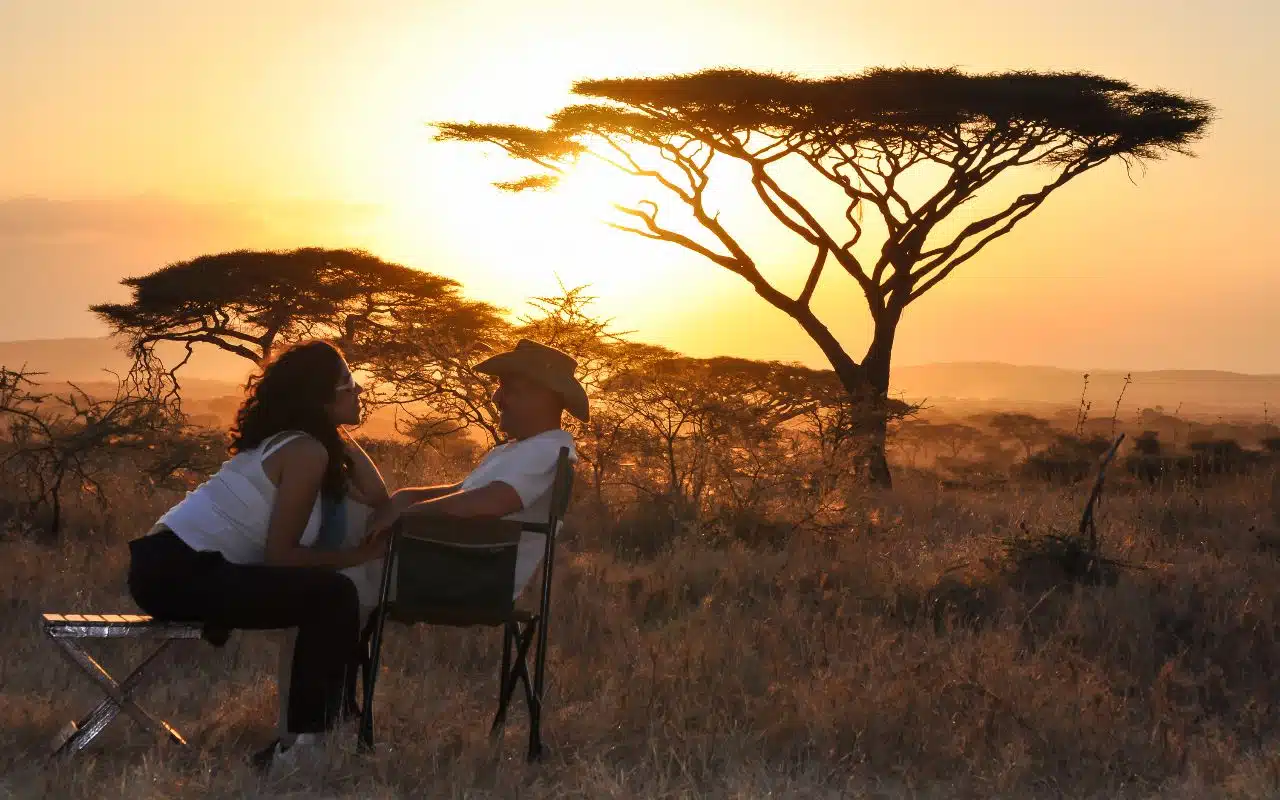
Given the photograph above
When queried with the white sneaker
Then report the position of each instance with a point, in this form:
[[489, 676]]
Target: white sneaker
[[306, 752]]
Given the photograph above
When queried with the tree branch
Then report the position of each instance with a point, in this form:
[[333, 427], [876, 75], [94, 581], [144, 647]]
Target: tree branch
[[815, 272], [946, 259], [205, 338], [654, 231], [811, 231]]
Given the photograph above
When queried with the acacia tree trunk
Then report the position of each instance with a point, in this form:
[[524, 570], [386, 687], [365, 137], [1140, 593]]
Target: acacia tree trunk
[[873, 390], [867, 383]]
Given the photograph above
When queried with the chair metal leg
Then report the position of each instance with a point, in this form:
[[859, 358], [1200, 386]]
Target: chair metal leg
[[504, 695], [534, 703], [372, 644], [119, 698], [516, 670], [377, 623]]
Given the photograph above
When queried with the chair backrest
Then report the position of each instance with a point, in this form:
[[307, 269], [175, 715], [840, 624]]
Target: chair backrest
[[561, 491], [561, 488]]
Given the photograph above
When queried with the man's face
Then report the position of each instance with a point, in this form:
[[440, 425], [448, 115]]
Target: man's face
[[525, 407]]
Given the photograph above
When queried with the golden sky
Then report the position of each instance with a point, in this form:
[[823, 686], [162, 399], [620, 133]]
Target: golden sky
[[138, 132]]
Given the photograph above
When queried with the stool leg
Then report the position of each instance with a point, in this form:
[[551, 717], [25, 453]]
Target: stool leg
[[118, 698]]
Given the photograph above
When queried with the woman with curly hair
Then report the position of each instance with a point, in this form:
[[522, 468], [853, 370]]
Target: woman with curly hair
[[237, 552]]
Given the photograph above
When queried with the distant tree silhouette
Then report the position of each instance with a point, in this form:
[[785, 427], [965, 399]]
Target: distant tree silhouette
[[251, 302], [1028, 430], [1147, 443], [52, 444], [870, 136], [955, 437]]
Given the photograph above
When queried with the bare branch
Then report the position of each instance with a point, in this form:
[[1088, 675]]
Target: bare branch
[[947, 259], [812, 231], [815, 272], [655, 231]]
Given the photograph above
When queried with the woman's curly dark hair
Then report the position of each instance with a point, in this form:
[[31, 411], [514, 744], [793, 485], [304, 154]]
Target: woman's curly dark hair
[[290, 394]]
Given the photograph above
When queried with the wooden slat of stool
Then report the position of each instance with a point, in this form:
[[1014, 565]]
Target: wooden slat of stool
[[115, 626]]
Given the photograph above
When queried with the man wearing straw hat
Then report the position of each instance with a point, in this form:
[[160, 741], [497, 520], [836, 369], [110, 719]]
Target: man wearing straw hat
[[536, 385]]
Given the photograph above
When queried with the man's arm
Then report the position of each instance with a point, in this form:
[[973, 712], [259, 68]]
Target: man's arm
[[411, 495], [496, 499], [408, 497]]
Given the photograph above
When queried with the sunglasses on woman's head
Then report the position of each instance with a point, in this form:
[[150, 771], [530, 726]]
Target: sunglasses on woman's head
[[347, 384]]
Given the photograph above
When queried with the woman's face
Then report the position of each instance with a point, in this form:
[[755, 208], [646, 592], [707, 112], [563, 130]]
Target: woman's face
[[344, 408]]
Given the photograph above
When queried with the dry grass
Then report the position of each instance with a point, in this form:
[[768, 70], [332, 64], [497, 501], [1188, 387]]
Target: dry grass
[[895, 657]]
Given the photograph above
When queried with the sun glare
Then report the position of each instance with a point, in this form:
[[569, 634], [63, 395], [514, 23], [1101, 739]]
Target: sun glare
[[510, 247], [441, 211]]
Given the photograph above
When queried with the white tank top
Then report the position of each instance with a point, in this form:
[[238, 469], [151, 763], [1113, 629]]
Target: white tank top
[[230, 512]]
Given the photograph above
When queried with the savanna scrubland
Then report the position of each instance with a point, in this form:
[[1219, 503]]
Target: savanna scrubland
[[738, 612]]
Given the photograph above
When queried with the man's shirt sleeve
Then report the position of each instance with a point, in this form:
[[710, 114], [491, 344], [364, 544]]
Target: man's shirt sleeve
[[530, 470]]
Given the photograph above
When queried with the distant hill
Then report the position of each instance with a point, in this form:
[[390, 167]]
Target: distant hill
[[1196, 391], [213, 373], [210, 372]]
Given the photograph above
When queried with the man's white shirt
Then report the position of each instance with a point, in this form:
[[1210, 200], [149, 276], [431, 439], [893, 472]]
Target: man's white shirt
[[529, 467]]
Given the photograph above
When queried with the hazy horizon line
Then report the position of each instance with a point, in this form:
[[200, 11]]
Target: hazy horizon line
[[1092, 371]]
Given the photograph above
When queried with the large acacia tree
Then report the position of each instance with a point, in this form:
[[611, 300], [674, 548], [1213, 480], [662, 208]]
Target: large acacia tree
[[868, 136]]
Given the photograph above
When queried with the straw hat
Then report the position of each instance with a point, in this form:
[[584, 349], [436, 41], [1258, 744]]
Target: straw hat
[[547, 366]]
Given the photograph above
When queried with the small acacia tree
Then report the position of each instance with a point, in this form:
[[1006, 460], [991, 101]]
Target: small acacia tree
[[250, 302], [869, 136]]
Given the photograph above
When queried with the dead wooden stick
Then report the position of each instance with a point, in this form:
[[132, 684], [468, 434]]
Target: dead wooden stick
[[1087, 524]]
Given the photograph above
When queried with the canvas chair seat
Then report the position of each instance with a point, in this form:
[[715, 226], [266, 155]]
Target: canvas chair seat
[[470, 573]]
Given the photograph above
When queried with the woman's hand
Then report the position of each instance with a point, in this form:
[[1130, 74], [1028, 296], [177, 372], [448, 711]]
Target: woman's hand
[[384, 516], [375, 545]]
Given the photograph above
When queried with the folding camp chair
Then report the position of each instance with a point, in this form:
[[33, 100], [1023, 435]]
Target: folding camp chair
[[462, 573]]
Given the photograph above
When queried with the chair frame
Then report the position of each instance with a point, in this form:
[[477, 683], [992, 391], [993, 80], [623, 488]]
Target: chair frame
[[520, 627]]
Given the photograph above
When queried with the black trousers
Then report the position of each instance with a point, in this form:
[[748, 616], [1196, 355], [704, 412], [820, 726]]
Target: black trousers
[[171, 581]]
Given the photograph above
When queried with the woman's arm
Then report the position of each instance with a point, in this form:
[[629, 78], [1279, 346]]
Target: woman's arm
[[301, 464], [367, 485]]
